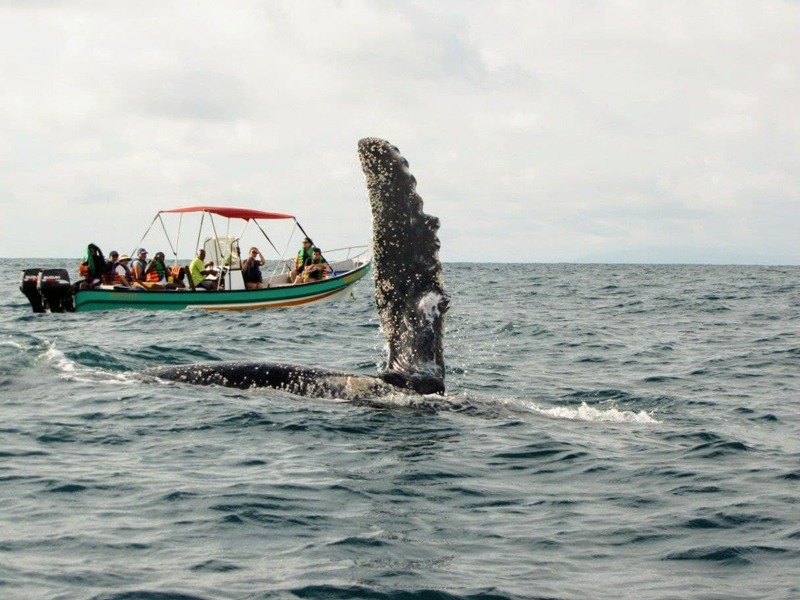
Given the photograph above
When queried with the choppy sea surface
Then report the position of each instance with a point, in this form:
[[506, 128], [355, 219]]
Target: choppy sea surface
[[609, 431]]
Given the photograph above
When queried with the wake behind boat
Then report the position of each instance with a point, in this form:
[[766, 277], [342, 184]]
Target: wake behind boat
[[225, 271]]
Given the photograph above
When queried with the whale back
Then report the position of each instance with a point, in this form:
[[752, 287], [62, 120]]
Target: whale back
[[409, 287]]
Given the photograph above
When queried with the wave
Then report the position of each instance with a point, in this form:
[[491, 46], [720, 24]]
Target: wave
[[71, 371], [584, 412], [12, 344], [332, 592]]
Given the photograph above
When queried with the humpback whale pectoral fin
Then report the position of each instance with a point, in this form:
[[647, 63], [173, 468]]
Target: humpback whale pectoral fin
[[409, 288]]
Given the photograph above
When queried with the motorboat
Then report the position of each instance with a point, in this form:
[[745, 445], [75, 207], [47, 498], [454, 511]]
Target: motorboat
[[51, 289]]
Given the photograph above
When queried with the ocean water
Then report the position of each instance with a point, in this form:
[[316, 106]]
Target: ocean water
[[608, 432]]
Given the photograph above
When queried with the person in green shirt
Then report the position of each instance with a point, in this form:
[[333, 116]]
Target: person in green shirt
[[198, 272]]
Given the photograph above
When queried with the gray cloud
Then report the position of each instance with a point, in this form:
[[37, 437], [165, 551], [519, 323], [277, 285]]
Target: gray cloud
[[566, 130]]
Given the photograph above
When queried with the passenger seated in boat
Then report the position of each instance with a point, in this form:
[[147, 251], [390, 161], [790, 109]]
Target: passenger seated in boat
[[251, 270], [198, 271], [155, 274], [92, 267], [303, 256], [111, 264], [176, 275], [138, 265], [316, 268], [121, 274]]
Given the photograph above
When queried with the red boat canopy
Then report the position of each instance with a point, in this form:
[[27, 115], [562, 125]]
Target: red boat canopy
[[231, 213]]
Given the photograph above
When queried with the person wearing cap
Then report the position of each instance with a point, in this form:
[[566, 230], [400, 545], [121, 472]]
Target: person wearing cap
[[139, 265], [303, 256], [316, 268], [111, 265]]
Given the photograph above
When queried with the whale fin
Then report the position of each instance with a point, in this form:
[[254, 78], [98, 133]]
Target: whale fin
[[409, 287]]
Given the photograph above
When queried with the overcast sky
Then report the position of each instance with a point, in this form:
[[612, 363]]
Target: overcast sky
[[538, 131]]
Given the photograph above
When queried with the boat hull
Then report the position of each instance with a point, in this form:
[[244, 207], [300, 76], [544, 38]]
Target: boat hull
[[274, 297]]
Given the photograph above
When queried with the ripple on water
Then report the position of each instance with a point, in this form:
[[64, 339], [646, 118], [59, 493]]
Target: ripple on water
[[332, 592], [731, 555], [148, 595]]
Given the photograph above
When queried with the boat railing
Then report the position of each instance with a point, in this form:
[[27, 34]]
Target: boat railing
[[348, 259]]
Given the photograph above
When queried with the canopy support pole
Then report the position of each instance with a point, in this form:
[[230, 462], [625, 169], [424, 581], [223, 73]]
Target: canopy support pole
[[145, 234], [216, 237], [178, 238], [199, 233], [164, 227], [280, 261], [219, 251], [266, 236]]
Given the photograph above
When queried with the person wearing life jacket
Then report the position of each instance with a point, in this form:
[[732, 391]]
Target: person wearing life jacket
[[303, 256], [138, 265], [111, 264], [316, 269], [251, 270], [121, 274], [92, 267], [156, 273]]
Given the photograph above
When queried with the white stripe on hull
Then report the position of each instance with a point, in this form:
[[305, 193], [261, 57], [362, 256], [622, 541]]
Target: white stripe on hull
[[322, 297]]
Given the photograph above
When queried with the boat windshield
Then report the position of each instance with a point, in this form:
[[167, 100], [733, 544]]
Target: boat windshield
[[223, 251]]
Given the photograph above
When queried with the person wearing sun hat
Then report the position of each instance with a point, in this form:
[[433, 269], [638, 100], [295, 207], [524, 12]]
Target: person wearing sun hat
[[122, 274]]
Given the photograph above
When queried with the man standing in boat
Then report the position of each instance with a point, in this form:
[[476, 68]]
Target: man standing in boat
[[303, 257]]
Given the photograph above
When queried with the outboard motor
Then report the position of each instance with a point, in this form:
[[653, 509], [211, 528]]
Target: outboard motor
[[55, 289], [47, 289], [29, 285]]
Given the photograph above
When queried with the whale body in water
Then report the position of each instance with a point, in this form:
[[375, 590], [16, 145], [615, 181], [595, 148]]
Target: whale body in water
[[409, 294]]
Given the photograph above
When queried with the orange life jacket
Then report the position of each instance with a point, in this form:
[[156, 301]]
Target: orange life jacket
[[174, 272], [108, 276], [157, 274], [114, 278], [83, 270]]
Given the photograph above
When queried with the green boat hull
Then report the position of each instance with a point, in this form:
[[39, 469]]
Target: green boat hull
[[274, 297]]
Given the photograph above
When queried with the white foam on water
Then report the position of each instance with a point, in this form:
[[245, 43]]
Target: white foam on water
[[584, 412], [12, 344], [72, 371], [58, 359]]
